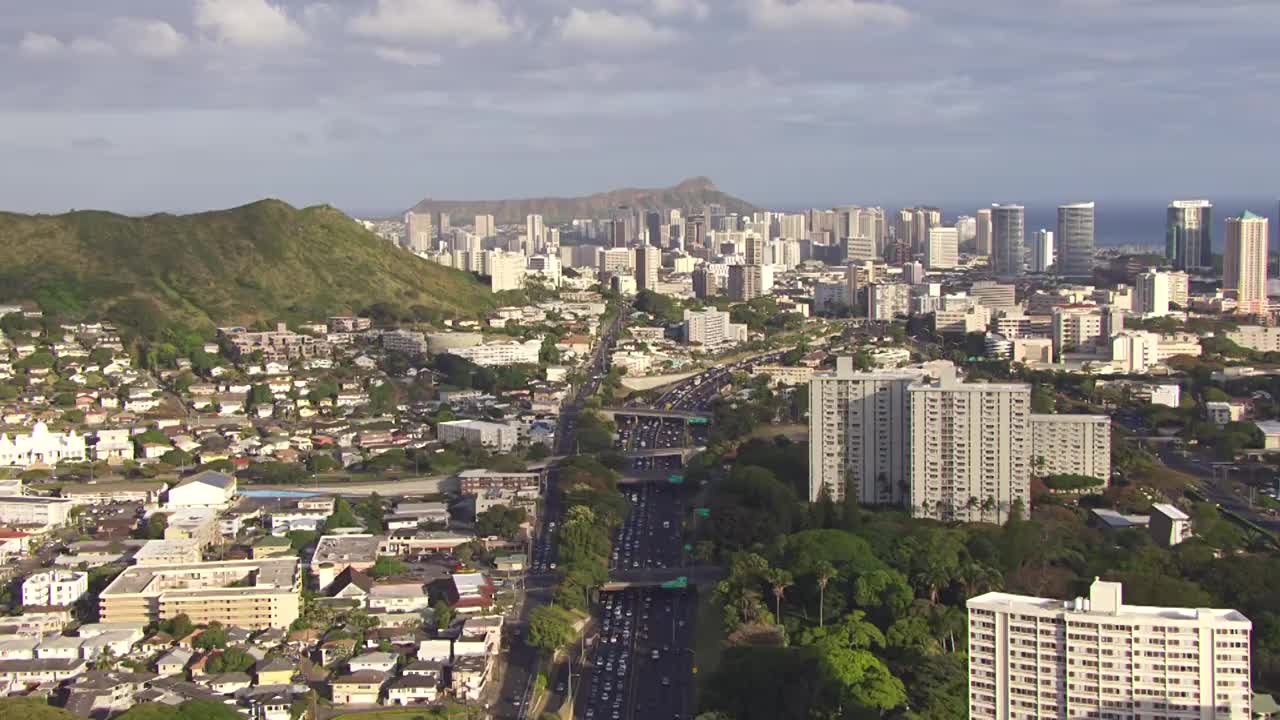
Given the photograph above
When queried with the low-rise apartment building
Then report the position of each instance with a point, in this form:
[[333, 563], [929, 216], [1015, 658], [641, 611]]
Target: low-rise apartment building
[[251, 594]]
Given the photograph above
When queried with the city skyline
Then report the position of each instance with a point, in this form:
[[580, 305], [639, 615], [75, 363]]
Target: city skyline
[[243, 99]]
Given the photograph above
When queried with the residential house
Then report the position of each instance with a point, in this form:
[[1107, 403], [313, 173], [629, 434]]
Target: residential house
[[274, 671], [378, 661], [228, 683], [470, 675], [413, 690], [174, 662], [360, 688]]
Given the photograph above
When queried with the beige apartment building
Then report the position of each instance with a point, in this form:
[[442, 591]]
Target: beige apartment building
[[1258, 338], [251, 594], [970, 446], [1071, 445], [1244, 262], [1033, 658]]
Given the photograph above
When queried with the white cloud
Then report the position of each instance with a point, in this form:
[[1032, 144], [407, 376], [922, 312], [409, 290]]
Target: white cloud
[[824, 14], [605, 30], [412, 58], [36, 44], [463, 22], [148, 38], [671, 8], [85, 45], [248, 24]]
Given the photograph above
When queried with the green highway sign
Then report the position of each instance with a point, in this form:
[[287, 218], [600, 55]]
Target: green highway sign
[[679, 583], [697, 421], [675, 479], [703, 512]]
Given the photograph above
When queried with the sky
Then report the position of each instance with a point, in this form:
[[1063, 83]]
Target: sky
[[181, 105]]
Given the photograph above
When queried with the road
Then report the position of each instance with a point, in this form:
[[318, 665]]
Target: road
[[1216, 487], [515, 698]]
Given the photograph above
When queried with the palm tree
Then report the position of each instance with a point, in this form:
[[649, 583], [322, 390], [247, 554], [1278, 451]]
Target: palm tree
[[779, 580], [931, 579], [823, 573], [978, 577]]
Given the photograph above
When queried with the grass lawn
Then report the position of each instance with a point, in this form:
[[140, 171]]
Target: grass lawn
[[447, 712], [708, 638]]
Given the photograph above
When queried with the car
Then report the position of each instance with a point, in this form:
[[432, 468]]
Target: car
[[653, 655], [666, 681]]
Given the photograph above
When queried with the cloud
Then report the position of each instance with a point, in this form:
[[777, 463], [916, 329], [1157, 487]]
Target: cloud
[[36, 44], [696, 9], [148, 38], [85, 45], [255, 24], [412, 58], [824, 14], [92, 143], [606, 30], [463, 22]]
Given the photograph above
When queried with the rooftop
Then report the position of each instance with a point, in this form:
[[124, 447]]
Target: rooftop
[[210, 477], [346, 548], [275, 573], [1104, 601], [1170, 511]]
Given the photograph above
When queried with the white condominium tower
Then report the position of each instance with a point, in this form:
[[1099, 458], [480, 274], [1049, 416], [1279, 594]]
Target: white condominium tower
[[859, 425], [485, 227], [970, 449], [1008, 240], [1046, 659], [943, 249], [1244, 262], [1075, 240]]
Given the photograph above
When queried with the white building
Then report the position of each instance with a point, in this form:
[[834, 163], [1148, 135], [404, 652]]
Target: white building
[[38, 511], [1072, 445], [1075, 327], [943, 249], [513, 352], [1042, 255], [405, 341], [505, 270], [859, 434], [887, 301], [41, 447], [970, 449], [1258, 338], [1151, 295], [478, 432], [711, 329], [1169, 526], [1095, 657], [54, 587], [1244, 263], [208, 489]]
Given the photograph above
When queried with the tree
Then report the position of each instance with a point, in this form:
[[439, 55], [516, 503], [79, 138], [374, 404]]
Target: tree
[[214, 636], [823, 575], [443, 614], [501, 520], [342, 516], [386, 566], [178, 627], [230, 660], [779, 581], [156, 525], [550, 628]]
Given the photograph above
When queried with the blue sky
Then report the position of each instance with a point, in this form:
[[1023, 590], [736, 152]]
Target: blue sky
[[140, 105]]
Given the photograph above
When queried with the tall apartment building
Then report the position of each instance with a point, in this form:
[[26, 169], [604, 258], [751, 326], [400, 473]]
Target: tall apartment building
[[418, 232], [887, 301], [793, 227], [252, 594], [1244, 262], [746, 282], [1179, 288], [1151, 294], [1074, 327], [982, 233], [485, 227], [705, 282], [942, 252], [1096, 657], [506, 270], [712, 328], [648, 260], [967, 231], [1008, 239], [1189, 234], [859, 428], [1071, 445], [754, 249], [617, 259], [535, 234], [992, 294], [1075, 240], [1042, 255], [970, 449]]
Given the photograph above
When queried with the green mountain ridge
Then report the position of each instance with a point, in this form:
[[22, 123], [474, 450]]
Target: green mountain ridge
[[691, 194], [266, 261]]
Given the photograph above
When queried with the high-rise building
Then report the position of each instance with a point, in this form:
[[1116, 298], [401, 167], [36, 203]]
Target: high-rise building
[[712, 328], [982, 236], [1075, 327], [648, 260], [967, 232], [1096, 657], [1042, 251], [1189, 234], [694, 233], [1244, 262], [535, 233], [1071, 445], [1075, 240], [705, 282], [754, 249], [418, 233], [506, 270], [859, 249], [1151, 293], [1008, 240], [746, 282], [443, 224], [859, 428], [994, 295], [970, 449], [942, 252], [793, 227], [486, 227], [887, 301], [1179, 289]]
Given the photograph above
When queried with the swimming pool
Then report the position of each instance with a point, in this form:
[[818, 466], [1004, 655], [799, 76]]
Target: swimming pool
[[278, 494]]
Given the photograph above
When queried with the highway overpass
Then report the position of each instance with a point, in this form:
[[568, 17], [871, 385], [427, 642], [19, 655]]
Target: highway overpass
[[672, 578], [610, 412]]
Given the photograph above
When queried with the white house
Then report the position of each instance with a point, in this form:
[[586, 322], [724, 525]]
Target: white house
[[377, 661], [54, 587], [208, 489]]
